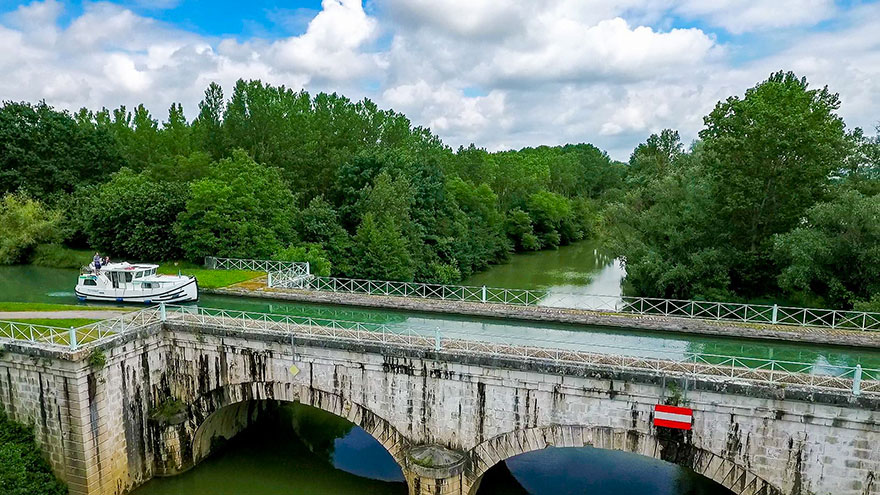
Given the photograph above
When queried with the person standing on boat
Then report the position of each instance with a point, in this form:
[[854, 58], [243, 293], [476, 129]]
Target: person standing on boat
[[97, 262]]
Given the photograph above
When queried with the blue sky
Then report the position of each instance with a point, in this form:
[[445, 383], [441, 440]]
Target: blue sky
[[500, 73]]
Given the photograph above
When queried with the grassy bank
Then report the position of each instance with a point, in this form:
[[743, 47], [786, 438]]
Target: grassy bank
[[29, 306], [58, 256], [209, 279], [57, 322]]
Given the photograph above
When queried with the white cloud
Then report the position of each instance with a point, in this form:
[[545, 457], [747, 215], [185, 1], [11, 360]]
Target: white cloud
[[331, 46], [494, 73], [740, 16]]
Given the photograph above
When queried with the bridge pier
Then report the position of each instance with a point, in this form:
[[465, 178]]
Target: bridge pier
[[435, 470]]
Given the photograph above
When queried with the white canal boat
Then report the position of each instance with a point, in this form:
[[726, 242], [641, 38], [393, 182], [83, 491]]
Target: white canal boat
[[124, 282]]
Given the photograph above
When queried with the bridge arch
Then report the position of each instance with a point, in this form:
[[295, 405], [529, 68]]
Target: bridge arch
[[227, 410], [717, 468]]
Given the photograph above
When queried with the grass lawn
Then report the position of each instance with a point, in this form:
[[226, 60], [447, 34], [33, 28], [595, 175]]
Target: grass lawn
[[209, 279], [29, 306], [24, 333], [57, 322]]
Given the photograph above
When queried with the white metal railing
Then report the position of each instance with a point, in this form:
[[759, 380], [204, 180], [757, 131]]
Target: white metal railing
[[256, 265], [75, 338], [853, 379], [708, 310]]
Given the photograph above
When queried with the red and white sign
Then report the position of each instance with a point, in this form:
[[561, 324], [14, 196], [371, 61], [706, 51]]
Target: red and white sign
[[679, 418]]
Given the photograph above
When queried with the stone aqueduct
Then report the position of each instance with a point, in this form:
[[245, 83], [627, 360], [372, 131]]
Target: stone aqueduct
[[104, 433]]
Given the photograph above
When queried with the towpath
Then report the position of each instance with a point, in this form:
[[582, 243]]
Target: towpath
[[60, 315]]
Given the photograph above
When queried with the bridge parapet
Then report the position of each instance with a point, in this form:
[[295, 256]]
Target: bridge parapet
[[487, 399]]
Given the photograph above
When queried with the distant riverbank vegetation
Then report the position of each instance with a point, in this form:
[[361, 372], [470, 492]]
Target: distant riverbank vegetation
[[775, 199]]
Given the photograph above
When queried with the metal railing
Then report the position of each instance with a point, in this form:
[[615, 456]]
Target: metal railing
[[75, 338], [732, 369], [707, 310], [256, 265]]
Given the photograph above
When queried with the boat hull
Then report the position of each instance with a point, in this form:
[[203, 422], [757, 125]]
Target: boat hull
[[186, 292]]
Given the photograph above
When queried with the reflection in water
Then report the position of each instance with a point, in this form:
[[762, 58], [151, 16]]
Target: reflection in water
[[577, 471], [583, 265], [572, 276], [270, 458], [295, 449]]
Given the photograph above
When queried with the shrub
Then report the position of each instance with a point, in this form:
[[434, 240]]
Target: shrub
[[23, 471], [58, 256], [314, 254], [24, 223]]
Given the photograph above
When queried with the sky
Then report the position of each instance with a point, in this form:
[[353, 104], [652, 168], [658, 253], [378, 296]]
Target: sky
[[501, 74]]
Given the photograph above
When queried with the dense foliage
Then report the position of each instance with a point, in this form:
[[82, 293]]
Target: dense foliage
[[24, 223], [777, 199], [23, 471], [272, 172]]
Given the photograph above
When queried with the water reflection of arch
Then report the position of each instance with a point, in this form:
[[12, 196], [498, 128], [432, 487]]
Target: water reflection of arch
[[667, 447], [220, 414]]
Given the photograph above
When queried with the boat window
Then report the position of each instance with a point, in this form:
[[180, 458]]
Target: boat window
[[147, 285], [138, 274], [128, 277], [89, 281]]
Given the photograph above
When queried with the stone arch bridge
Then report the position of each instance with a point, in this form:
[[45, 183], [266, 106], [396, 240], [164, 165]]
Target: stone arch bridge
[[169, 390]]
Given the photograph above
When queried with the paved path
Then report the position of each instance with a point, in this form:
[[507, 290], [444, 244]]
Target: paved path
[[60, 315]]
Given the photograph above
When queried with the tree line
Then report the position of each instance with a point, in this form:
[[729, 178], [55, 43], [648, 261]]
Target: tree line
[[273, 172], [776, 199]]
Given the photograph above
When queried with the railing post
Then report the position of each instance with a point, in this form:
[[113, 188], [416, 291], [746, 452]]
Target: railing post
[[72, 339], [162, 312], [857, 380], [775, 313], [484, 293], [308, 268], [269, 281]]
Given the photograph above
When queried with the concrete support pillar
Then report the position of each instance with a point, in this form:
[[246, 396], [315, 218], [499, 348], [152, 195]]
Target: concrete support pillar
[[435, 470]]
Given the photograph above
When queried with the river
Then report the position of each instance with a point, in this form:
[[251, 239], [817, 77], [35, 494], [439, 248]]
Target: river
[[272, 458]]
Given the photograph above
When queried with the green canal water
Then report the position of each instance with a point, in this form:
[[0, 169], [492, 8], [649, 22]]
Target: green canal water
[[273, 457]]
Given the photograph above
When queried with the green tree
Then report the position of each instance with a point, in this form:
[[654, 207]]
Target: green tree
[[381, 250], [207, 128], [313, 254], [24, 223], [318, 223], [655, 157], [176, 134], [47, 153], [770, 155], [240, 209], [548, 211], [132, 216], [835, 253], [519, 228]]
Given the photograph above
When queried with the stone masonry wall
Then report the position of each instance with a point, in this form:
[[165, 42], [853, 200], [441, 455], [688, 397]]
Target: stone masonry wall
[[110, 430]]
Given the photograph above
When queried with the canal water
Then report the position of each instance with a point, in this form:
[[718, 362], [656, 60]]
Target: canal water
[[299, 450], [277, 457]]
